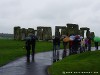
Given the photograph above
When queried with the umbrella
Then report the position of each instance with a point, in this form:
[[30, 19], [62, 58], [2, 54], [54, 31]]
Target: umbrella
[[28, 38], [97, 39], [81, 37], [72, 37], [66, 39]]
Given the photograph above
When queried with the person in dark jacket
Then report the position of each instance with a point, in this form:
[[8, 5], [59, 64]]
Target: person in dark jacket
[[96, 45], [28, 48], [89, 44], [33, 43], [30, 44], [76, 44], [56, 46], [56, 43]]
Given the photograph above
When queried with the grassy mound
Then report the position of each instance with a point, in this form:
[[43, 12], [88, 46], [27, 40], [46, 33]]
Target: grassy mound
[[85, 62]]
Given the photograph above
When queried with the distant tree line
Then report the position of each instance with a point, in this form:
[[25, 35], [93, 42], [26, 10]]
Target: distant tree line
[[6, 36]]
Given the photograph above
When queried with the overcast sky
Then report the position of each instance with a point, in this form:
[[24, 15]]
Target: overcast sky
[[33, 13]]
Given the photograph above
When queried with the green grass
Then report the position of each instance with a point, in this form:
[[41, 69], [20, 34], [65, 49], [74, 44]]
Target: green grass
[[12, 49], [84, 62]]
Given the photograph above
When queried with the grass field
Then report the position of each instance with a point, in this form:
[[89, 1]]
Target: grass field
[[84, 62], [12, 49]]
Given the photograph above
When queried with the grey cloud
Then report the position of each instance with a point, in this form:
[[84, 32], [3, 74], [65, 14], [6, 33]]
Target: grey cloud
[[32, 13]]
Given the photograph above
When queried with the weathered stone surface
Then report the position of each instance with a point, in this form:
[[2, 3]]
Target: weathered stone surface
[[72, 29], [40, 33], [47, 33], [23, 33], [82, 29], [44, 33], [30, 30], [17, 32], [57, 30]]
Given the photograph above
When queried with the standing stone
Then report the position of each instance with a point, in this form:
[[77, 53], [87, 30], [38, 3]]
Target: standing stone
[[47, 33], [23, 33], [30, 31], [82, 29], [72, 29], [63, 30], [17, 31], [40, 33], [44, 33]]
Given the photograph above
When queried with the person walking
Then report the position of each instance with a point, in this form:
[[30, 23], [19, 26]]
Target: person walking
[[30, 44], [28, 48], [33, 43], [56, 47]]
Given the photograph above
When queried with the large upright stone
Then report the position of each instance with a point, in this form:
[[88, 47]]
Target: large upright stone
[[44, 33], [30, 31], [47, 33], [40, 33], [23, 33], [57, 30], [83, 29], [17, 33], [72, 29]]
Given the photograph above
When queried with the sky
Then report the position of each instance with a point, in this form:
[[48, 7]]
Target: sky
[[33, 13]]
